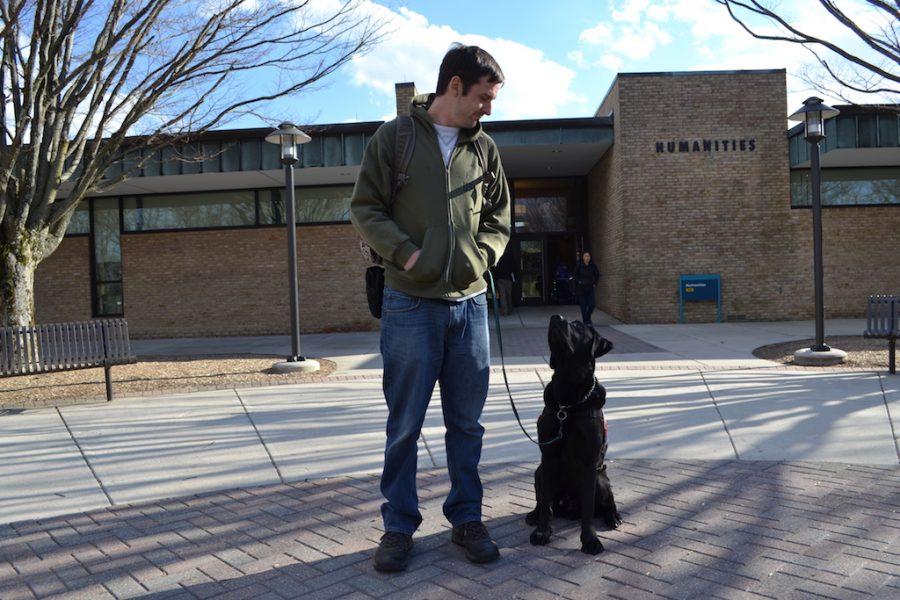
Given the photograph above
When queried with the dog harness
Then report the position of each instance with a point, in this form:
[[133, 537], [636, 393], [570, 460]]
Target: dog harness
[[563, 413]]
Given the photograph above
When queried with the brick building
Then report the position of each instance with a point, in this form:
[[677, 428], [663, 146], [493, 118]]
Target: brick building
[[676, 173]]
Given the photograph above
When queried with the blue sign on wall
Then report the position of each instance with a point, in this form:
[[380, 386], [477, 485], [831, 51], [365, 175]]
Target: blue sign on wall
[[699, 288]]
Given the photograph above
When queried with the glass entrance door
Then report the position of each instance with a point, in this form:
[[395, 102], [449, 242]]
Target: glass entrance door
[[531, 259]]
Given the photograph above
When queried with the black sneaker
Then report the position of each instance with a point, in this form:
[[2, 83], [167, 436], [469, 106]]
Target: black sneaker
[[474, 536], [393, 552]]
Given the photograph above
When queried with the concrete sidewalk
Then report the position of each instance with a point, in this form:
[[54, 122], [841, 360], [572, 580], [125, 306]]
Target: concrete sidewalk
[[686, 399], [691, 394], [691, 346]]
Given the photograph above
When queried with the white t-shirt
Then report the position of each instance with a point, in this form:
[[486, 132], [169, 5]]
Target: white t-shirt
[[447, 137]]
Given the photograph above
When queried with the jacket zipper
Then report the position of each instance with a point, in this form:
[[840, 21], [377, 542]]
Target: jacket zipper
[[449, 214]]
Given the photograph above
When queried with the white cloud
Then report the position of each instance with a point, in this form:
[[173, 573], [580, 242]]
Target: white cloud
[[611, 62], [631, 11], [577, 57], [709, 39], [536, 86], [598, 34], [639, 42]]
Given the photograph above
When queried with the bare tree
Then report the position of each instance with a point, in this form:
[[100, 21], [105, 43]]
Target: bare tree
[[81, 78], [868, 64]]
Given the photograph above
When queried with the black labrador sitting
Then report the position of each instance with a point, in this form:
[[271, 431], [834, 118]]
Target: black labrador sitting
[[571, 480]]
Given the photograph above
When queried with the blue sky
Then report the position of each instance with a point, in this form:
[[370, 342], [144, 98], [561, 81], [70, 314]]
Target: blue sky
[[559, 57]]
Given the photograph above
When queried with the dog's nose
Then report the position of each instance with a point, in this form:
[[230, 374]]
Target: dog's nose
[[557, 319]]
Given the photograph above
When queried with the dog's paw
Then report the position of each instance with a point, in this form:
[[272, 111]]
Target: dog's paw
[[591, 545], [539, 538], [531, 518], [613, 519]]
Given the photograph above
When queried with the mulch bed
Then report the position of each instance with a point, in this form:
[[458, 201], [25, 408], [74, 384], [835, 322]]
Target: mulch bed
[[862, 353], [152, 375]]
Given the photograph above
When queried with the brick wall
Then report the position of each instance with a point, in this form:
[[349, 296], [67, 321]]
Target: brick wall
[[231, 282], [606, 221], [861, 255], [662, 214], [659, 215], [62, 283]]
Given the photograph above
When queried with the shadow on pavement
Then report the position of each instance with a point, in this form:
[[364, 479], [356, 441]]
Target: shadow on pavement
[[692, 529]]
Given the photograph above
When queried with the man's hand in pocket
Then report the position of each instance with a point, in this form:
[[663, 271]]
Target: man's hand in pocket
[[412, 260]]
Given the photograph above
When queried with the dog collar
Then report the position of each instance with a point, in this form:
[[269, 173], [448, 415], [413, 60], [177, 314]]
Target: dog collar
[[584, 399], [563, 413]]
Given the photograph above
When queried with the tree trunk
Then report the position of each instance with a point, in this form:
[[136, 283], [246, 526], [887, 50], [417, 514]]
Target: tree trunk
[[18, 261]]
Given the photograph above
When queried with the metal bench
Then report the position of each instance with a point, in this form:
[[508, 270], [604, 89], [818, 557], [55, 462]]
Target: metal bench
[[65, 347], [882, 322]]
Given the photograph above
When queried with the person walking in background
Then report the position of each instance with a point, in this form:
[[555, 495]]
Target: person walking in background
[[586, 277], [505, 273]]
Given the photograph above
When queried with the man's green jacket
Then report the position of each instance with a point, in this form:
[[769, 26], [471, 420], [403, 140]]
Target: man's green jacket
[[460, 228]]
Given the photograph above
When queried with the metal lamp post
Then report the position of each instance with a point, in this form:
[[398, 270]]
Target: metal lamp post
[[288, 137], [813, 115]]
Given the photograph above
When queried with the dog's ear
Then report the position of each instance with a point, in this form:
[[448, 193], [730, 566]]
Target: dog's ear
[[601, 345]]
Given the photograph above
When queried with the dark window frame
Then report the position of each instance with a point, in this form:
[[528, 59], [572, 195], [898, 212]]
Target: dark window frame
[[95, 282], [830, 206], [257, 201]]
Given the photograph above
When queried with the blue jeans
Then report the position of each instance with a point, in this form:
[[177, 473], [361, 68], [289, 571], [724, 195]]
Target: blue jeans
[[587, 302], [424, 341]]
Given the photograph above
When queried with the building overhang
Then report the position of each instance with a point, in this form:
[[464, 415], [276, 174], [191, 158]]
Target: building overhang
[[856, 157], [528, 148]]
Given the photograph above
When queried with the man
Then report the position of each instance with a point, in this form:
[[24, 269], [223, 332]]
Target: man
[[448, 224], [505, 275]]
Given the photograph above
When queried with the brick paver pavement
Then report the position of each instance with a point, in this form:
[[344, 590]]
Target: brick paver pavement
[[693, 529]]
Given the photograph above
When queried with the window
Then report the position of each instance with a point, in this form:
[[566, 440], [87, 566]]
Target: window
[[887, 131], [211, 156], [866, 131], [130, 163], [231, 156], [354, 146], [849, 187], [191, 159], [251, 156], [153, 164], [334, 151], [190, 211], [81, 220], [314, 205], [271, 156], [107, 258], [311, 154], [846, 131], [544, 205], [171, 165]]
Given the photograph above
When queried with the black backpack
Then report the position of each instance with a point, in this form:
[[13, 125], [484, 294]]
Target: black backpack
[[404, 146]]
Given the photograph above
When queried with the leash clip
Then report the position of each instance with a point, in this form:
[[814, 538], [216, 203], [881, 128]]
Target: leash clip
[[562, 415]]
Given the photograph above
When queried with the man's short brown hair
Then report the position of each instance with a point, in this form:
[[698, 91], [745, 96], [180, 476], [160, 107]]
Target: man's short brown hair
[[470, 63]]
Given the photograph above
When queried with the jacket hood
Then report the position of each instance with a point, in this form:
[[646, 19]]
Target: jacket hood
[[419, 110]]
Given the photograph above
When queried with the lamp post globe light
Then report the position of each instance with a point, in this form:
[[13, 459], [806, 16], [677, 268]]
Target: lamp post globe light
[[813, 114], [288, 137]]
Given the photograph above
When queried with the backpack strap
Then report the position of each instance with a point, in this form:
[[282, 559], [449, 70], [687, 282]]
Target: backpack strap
[[404, 145], [481, 150]]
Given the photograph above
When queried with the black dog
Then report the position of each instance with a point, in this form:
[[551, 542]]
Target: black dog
[[571, 480]]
